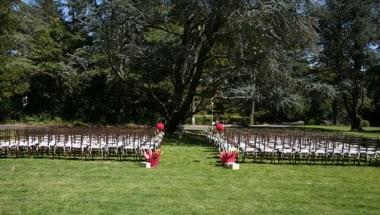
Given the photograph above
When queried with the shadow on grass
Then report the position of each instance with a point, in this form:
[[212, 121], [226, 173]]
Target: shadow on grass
[[335, 131], [319, 130], [375, 131], [186, 140]]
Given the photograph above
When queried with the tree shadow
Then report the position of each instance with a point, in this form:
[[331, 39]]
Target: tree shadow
[[332, 131], [190, 140], [375, 131]]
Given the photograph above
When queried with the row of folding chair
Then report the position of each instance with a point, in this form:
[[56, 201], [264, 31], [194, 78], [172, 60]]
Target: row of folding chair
[[295, 147], [72, 144]]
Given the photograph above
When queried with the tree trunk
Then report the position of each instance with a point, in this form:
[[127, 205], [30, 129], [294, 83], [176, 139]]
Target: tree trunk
[[173, 123], [252, 115], [253, 97], [356, 123], [352, 108], [335, 111], [184, 95]]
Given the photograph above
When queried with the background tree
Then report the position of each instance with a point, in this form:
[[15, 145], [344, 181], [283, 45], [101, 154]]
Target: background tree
[[14, 65], [140, 61], [348, 32], [268, 49], [195, 28], [50, 47]]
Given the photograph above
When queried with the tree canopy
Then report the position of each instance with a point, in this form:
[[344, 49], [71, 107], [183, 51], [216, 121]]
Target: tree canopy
[[124, 61]]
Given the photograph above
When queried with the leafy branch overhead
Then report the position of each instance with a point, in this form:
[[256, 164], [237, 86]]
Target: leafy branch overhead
[[117, 61]]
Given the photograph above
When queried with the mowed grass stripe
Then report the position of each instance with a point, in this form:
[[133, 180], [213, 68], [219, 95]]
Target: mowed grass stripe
[[188, 181]]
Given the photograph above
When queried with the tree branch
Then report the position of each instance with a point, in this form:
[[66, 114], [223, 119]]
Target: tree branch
[[155, 97], [164, 29]]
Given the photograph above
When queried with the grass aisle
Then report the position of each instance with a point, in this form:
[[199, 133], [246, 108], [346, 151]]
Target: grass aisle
[[188, 181]]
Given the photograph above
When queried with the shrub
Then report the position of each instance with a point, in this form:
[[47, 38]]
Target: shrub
[[310, 122], [365, 123]]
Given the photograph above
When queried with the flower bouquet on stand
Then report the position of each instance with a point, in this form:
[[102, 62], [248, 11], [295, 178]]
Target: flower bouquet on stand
[[160, 127], [219, 127], [152, 158], [228, 159], [228, 156]]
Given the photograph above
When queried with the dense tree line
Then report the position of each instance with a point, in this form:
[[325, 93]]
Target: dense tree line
[[118, 61]]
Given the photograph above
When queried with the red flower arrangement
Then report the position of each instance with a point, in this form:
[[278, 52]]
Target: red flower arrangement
[[228, 156], [160, 127], [153, 157], [219, 127]]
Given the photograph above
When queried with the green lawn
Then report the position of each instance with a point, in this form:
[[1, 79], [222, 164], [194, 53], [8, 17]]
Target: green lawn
[[371, 132], [188, 181]]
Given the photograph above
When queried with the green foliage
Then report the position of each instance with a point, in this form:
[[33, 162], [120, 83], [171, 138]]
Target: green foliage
[[43, 119], [140, 61], [365, 123], [13, 78], [311, 122], [348, 31], [203, 119], [14, 66]]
